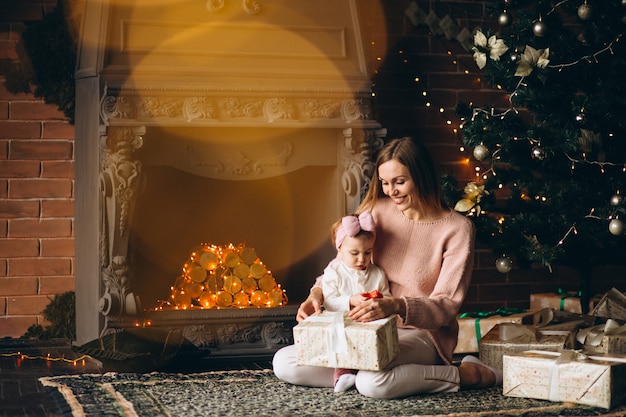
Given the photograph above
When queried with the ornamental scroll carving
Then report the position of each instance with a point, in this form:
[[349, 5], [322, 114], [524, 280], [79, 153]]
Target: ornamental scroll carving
[[251, 7], [360, 147], [212, 110], [120, 178]]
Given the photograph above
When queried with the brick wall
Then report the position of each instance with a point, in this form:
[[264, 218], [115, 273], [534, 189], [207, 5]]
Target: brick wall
[[36, 191], [36, 159]]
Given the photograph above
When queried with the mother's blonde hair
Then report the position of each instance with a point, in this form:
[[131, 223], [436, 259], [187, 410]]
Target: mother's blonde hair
[[414, 155]]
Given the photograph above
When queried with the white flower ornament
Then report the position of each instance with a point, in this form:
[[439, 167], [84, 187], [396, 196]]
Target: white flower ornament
[[495, 46], [532, 58]]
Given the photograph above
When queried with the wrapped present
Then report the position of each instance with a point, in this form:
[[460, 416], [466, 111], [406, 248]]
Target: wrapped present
[[568, 376], [508, 338], [609, 337], [560, 300], [333, 340], [474, 325], [612, 305]]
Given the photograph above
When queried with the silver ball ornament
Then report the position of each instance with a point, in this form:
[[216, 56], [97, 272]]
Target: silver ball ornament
[[480, 152], [504, 264], [616, 200], [538, 153], [540, 28], [616, 227], [585, 11], [504, 19]]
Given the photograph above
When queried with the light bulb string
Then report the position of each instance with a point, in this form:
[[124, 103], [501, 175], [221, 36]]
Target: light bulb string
[[46, 358]]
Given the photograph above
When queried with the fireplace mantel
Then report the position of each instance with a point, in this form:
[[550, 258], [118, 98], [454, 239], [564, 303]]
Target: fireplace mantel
[[226, 90]]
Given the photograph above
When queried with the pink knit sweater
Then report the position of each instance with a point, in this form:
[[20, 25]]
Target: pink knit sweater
[[429, 265]]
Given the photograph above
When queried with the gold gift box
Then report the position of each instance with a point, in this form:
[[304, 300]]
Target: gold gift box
[[369, 346], [472, 329], [612, 305], [568, 376], [565, 302], [609, 337], [508, 338]]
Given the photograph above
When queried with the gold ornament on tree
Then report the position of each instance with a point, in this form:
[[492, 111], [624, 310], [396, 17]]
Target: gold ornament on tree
[[230, 276]]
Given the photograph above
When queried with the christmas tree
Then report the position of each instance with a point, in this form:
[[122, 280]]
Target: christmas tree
[[551, 165]]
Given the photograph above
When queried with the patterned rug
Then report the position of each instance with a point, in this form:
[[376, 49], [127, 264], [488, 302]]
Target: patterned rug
[[260, 393]]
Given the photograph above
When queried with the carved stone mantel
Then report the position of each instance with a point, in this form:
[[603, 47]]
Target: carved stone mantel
[[142, 71]]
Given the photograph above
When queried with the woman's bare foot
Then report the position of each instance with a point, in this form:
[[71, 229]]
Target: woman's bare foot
[[474, 374]]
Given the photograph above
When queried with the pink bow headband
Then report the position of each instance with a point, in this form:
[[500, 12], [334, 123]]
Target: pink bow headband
[[352, 225]]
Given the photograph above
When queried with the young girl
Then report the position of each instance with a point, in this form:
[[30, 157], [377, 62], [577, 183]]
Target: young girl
[[350, 278]]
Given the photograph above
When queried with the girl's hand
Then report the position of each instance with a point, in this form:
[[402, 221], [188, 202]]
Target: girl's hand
[[312, 305], [376, 308], [357, 299]]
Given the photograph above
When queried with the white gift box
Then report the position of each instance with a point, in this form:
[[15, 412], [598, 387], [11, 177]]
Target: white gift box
[[333, 340], [568, 376]]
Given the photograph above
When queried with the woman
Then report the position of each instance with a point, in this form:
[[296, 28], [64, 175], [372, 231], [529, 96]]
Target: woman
[[426, 251]]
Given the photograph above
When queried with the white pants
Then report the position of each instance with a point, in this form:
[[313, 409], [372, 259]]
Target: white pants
[[417, 369]]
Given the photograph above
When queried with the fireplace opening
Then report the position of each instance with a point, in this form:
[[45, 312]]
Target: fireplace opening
[[283, 210]]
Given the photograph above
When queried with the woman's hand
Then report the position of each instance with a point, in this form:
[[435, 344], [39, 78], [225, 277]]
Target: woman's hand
[[312, 305], [377, 308]]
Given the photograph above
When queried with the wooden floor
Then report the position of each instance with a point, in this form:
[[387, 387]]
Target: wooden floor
[[22, 363]]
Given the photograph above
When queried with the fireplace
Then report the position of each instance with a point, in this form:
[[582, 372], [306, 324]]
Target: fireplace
[[215, 122]]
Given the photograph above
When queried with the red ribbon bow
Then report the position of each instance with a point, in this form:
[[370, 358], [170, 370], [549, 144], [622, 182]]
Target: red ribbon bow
[[372, 294]]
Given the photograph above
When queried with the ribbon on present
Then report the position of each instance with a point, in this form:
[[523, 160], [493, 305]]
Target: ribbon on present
[[541, 326], [592, 336], [567, 294], [484, 314], [336, 341]]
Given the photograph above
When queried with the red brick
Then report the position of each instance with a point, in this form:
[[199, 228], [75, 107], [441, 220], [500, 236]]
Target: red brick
[[13, 209], [4, 149], [20, 130], [4, 227], [7, 50], [38, 267], [38, 150], [28, 304], [56, 285], [6, 95], [3, 267], [4, 110], [4, 188], [40, 228], [11, 248], [57, 169], [16, 326], [19, 286], [23, 110], [57, 247], [40, 188], [20, 169], [58, 130], [3, 307], [57, 208]]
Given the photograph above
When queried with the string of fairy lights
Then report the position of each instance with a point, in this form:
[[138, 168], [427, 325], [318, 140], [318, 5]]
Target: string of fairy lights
[[80, 360], [481, 153]]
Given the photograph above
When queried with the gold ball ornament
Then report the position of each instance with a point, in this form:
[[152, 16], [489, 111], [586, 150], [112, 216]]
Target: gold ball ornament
[[504, 264], [616, 227], [585, 11], [480, 152]]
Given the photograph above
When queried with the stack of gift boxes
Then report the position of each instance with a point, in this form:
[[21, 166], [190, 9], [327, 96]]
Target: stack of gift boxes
[[552, 351]]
